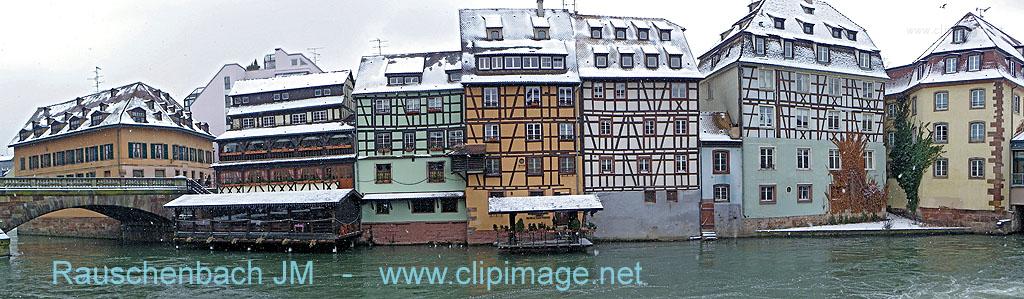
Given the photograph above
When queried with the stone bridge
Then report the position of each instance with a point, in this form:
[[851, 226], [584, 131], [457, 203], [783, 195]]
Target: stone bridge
[[136, 202]]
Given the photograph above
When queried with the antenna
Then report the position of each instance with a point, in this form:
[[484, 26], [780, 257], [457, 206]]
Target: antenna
[[379, 46], [314, 52], [96, 78], [981, 11], [572, 4]]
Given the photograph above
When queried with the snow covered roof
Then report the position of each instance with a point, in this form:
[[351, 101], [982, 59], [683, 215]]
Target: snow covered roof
[[434, 67], [109, 108], [824, 16], [286, 105], [404, 65], [285, 130], [761, 22], [283, 160], [412, 195], [711, 128], [261, 198], [586, 47], [980, 35], [242, 87], [4, 236], [6, 158], [517, 26], [504, 205]]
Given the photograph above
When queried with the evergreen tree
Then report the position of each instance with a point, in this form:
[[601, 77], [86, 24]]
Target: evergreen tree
[[911, 153], [252, 67]]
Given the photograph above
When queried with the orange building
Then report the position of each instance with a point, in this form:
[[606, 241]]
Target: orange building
[[521, 111]]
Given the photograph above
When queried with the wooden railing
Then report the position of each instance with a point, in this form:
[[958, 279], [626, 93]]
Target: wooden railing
[[179, 184], [299, 153], [541, 238]]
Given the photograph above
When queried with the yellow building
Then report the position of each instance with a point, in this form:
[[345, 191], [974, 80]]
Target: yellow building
[[521, 112], [130, 131], [967, 89]]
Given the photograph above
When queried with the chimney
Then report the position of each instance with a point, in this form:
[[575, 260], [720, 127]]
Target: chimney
[[78, 102], [540, 8]]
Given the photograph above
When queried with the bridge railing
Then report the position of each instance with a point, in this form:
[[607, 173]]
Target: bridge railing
[[98, 184]]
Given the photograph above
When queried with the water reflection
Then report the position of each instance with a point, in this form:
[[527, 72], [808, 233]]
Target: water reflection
[[957, 266]]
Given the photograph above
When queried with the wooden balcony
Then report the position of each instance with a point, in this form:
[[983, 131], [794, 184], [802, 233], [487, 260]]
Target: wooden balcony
[[301, 152]]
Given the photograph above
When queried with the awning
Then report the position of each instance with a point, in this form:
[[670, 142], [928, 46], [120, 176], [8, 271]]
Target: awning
[[413, 195], [506, 205], [261, 198]]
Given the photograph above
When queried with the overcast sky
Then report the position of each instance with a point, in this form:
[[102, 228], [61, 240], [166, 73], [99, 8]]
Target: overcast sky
[[48, 49]]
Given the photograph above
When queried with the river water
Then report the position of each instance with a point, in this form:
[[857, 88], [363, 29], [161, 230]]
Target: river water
[[873, 267]]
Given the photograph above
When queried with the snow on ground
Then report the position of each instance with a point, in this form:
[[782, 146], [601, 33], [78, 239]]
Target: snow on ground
[[898, 223]]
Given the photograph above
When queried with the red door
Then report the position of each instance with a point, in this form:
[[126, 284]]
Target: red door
[[707, 216]]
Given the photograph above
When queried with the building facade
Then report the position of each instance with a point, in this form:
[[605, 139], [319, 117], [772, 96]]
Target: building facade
[[208, 103], [721, 175], [967, 86], [793, 76], [288, 134], [522, 116], [409, 116], [639, 125], [129, 131]]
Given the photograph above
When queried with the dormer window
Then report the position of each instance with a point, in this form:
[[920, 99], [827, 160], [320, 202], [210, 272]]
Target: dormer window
[[620, 33], [651, 60], [75, 122], [823, 55], [627, 60], [675, 61], [780, 23], [851, 35], [494, 34], [158, 116], [454, 76], [643, 34], [920, 71], [808, 28], [595, 32], [974, 62], [541, 33], [808, 10], [601, 60], [403, 80], [787, 49], [950, 64], [959, 35], [666, 34], [97, 118], [138, 115], [837, 33], [864, 60], [759, 45]]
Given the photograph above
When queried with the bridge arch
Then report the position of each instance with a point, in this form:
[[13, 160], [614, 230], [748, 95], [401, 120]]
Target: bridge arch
[[128, 209]]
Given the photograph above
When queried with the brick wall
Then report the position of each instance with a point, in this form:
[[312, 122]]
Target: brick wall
[[415, 233], [980, 221], [78, 227]]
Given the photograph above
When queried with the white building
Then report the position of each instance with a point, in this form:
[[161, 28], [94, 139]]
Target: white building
[[207, 103]]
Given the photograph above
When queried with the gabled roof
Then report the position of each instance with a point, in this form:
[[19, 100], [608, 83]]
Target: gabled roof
[[517, 27], [760, 21], [433, 66], [980, 34], [110, 108], [586, 47], [243, 87]]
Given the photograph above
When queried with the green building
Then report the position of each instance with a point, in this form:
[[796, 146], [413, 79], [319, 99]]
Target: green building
[[409, 116]]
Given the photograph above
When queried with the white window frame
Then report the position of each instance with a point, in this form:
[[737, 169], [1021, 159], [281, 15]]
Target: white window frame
[[974, 62], [802, 118], [766, 154], [299, 118], [803, 158], [769, 121], [320, 115], [566, 97], [491, 98], [978, 98], [835, 116], [976, 168], [760, 45], [950, 64], [976, 132], [835, 160], [766, 79], [941, 97], [682, 164], [867, 122], [533, 132], [492, 132], [869, 160]]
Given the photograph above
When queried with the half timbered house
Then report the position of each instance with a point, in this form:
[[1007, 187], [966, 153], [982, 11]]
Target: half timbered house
[[288, 134], [639, 124], [409, 116], [793, 75], [520, 80]]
